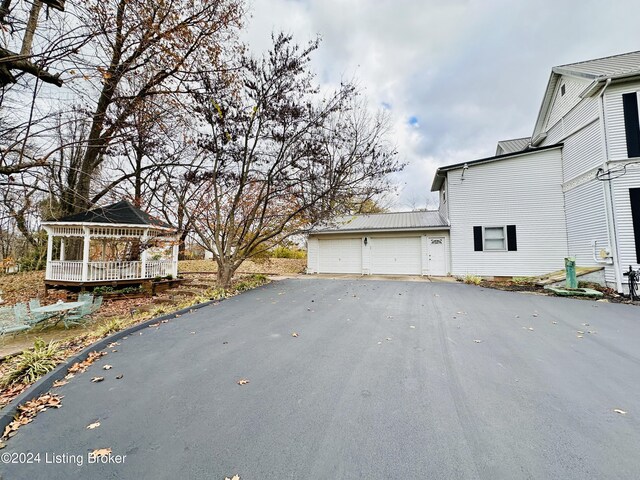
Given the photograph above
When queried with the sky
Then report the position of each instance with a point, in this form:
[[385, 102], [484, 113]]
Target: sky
[[456, 76]]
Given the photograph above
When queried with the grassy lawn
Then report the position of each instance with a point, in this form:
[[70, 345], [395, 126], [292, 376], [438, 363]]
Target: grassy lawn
[[116, 314]]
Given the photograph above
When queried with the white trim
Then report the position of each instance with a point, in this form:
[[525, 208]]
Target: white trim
[[85, 253], [114, 225], [504, 238]]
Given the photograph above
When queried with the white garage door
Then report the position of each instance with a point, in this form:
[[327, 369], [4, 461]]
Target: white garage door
[[340, 256], [396, 256]]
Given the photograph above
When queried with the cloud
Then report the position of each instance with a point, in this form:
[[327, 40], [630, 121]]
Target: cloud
[[455, 77]]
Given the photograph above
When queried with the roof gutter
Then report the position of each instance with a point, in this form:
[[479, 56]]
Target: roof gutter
[[378, 230]]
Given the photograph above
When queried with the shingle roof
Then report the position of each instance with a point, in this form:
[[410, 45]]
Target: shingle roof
[[513, 145], [425, 219], [613, 66], [118, 213]]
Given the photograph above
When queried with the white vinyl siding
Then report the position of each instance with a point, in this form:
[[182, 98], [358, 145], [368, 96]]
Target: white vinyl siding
[[342, 255], [586, 221], [396, 256], [623, 218], [614, 119], [562, 104], [582, 151], [524, 191]]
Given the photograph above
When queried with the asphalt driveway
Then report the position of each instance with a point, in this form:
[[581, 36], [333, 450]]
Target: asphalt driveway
[[386, 380]]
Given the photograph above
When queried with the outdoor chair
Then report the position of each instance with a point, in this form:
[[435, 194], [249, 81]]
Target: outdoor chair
[[97, 303], [9, 323], [37, 317], [85, 297], [21, 313], [79, 315]]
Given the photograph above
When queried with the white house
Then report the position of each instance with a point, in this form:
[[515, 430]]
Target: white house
[[589, 118], [572, 188], [506, 213]]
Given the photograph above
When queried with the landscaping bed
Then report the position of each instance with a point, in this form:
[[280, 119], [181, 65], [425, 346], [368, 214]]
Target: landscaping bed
[[609, 294]]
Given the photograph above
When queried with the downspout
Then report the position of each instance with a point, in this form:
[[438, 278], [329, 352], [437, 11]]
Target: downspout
[[608, 193]]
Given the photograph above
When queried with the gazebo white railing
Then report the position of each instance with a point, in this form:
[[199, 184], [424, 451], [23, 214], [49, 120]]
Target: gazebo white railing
[[95, 224]]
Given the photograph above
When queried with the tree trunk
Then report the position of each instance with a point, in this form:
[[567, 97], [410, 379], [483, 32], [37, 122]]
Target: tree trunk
[[32, 24], [225, 275]]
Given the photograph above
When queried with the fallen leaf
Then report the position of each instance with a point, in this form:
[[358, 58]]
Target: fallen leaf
[[412, 326], [59, 383], [27, 411], [192, 333], [101, 452], [580, 332], [91, 426], [107, 367], [554, 322], [113, 344], [235, 477], [579, 336], [294, 334], [118, 377], [535, 314], [97, 379], [388, 339], [379, 343], [243, 381], [478, 341], [585, 324], [621, 412], [154, 325]]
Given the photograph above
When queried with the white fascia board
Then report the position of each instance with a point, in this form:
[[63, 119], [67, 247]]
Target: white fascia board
[[113, 225]]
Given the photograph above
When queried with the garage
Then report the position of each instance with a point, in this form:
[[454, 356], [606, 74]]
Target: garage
[[343, 255], [403, 243], [396, 256]]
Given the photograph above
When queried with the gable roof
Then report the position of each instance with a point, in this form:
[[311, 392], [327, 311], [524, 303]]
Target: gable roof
[[123, 213], [438, 178], [513, 145], [612, 66], [598, 71], [419, 220]]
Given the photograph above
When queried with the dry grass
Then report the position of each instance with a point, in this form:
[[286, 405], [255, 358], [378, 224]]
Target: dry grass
[[268, 266], [20, 287]]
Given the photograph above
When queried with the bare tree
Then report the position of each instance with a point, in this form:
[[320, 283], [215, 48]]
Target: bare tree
[[281, 156], [148, 49]]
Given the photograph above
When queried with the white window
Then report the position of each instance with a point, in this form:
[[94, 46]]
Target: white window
[[494, 238]]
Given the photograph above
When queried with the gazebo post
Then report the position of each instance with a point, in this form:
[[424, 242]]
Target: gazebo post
[[49, 252], [143, 254], [85, 254], [62, 254], [175, 251]]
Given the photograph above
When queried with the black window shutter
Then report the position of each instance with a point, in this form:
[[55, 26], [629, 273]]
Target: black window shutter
[[512, 242], [477, 239], [634, 197], [631, 124]]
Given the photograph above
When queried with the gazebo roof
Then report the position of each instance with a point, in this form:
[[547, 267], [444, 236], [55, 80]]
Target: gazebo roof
[[120, 213]]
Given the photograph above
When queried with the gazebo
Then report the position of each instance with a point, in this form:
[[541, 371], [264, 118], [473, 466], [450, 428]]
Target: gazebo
[[116, 244]]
